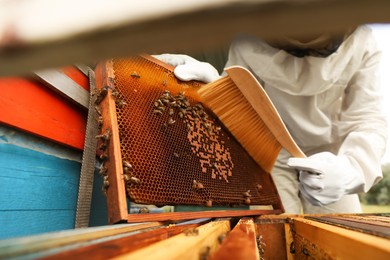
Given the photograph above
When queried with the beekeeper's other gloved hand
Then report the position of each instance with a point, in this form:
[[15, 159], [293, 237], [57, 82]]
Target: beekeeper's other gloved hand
[[188, 68], [325, 178]]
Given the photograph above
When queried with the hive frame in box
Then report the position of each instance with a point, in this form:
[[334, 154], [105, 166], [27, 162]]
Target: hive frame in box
[[116, 193]]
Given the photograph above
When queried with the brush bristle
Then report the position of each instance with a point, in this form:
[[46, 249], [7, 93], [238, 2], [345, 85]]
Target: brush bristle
[[238, 116]]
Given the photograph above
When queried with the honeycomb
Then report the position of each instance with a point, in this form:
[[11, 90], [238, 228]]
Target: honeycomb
[[176, 151]]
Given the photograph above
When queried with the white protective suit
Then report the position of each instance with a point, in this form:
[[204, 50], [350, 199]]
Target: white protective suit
[[328, 104]]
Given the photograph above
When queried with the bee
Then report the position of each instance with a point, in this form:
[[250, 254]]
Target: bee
[[135, 75], [305, 251], [181, 115], [199, 105], [126, 177], [171, 121], [127, 165], [170, 112], [247, 201], [98, 110], [104, 156], [134, 180], [191, 232], [158, 112], [115, 93], [205, 253], [164, 82], [120, 103], [197, 185], [101, 95], [100, 121], [104, 137], [164, 126], [215, 165], [209, 203], [143, 210], [165, 101], [176, 155], [247, 194], [106, 183], [103, 171], [103, 146], [259, 186], [221, 238]]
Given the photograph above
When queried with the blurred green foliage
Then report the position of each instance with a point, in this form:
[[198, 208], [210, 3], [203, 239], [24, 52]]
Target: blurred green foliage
[[379, 194]]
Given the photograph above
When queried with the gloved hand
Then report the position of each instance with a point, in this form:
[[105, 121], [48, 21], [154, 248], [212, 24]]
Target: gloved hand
[[188, 68], [325, 178]]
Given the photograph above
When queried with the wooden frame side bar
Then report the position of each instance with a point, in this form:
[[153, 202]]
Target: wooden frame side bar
[[122, 245], [174, 216], [240, 243], [197, 243], [116, 193], [21, 246]]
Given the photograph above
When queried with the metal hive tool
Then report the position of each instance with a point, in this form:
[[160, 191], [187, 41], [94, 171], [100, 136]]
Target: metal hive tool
[[174, 150]]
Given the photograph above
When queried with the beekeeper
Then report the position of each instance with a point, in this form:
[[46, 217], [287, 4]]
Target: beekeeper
[[327, 91]]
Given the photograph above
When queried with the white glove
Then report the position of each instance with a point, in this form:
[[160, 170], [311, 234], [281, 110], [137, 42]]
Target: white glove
[[188, 68], [325, 178]]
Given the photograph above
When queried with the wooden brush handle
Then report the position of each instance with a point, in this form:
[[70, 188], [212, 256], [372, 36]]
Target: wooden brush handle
[[259, 100]]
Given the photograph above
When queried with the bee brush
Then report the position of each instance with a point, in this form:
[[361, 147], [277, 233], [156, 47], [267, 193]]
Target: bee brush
[[243, 106]]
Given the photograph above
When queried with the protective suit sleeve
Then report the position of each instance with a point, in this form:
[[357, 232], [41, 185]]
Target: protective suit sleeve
[[362, 120]]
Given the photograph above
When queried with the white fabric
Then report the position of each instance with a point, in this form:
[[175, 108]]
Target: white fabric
[[328, 104], [188, 68], [325, 178]]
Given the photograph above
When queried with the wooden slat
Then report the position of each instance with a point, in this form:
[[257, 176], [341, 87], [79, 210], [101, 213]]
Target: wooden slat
[[20, 246], [116, 194], [64, 85], [173, 216], [132, 27], [78, 73], [342, 243], [38, 183], [371, 226], [378, 218], [29, 105], [122, 245], [240, 243], [193, 244]]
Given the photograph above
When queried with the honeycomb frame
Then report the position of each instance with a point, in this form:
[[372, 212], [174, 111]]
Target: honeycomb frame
[[170, 109]]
